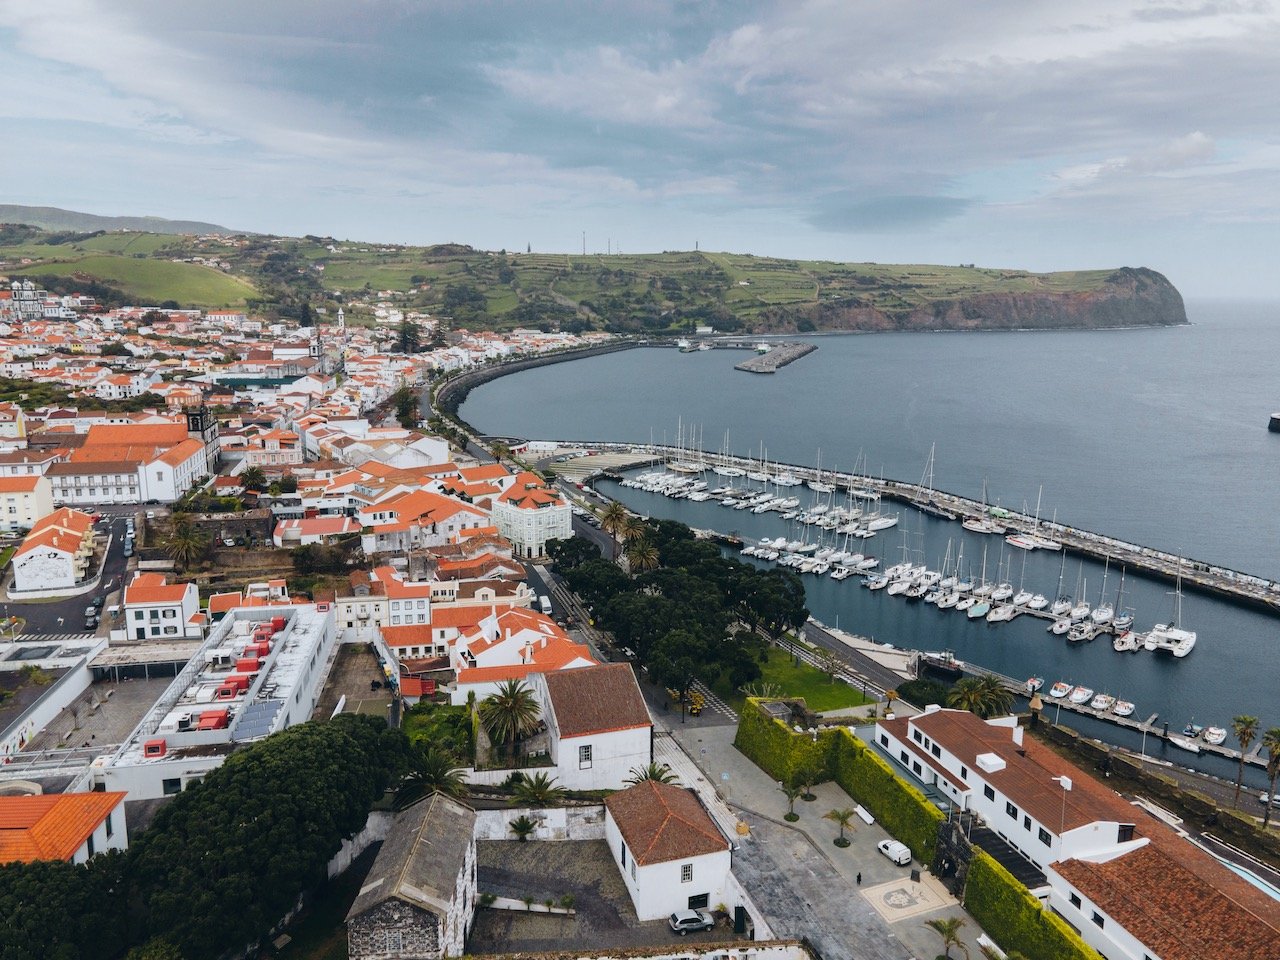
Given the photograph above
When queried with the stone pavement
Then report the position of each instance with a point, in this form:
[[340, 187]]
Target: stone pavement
[[806, 885]]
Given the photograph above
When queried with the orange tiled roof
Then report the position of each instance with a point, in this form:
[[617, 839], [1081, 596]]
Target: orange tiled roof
[[51, 826], [661, 823]]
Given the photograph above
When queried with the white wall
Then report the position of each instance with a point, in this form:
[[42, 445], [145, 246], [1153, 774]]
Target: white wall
[[657, 891], [554, 823], [613, 756], [1111, 939], [119, 839], [53, 701]]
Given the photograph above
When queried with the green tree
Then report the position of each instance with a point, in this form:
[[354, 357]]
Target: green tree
[[632, 529], [539, 790], [253, 478], [155, 949], [500, 451], [986, 696], [1271, 743], [569, 552], [843, 818], [613, 519], [642, 556], [431, 770], [54, 909], [186, 543], [948, 930], [405, 401], [658, 772], [1245, 728], [408, 337], [806, 777], [522, 826], [677, 664], [304, 316], [792, 793], [509, 713]]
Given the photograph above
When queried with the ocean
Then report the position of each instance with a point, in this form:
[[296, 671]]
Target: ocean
[[1157, 436]]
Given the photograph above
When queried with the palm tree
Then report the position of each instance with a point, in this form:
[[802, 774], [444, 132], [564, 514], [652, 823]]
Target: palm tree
[[641, 556], [612, 519], [793, 794], [948, 928], [1271, 742], [499, 451], [985, 696], [253, 479], [432, 770], [806, 777], [1245, 728], [509, 713], [540, 790], [844, 820], [186, 543], [657, 772], [633, 529]]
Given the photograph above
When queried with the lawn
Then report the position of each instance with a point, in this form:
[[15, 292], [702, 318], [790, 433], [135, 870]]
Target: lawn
[[153, 281], [802, 680]]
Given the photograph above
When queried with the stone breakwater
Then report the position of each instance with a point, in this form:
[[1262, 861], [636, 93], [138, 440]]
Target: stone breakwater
[[450, 394]]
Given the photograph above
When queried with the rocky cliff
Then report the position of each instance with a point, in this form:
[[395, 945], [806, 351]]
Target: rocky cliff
[[1128, 297]]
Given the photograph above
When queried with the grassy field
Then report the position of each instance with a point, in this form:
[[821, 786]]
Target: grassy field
[[153, 281], [798, 680]]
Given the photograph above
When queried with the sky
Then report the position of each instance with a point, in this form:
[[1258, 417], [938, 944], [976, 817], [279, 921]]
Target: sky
[[1028, 134]]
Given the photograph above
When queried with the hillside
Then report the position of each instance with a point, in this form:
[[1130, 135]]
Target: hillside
[[649, 293], [55, 218]]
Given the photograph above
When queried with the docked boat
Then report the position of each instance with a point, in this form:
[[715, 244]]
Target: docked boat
[[1192, 730], [1023, 598], [1127, 642], [1080, 631], [1123, 708], [965, 603], [1169, 637], [1034, 684], [1059, 690], [1001, 613], [1021, 541], [980, 609], [1080, 695], [1102, 702], [1184, 743], [876, 582], [1060, 626], [1038, 602], [1215, 735]]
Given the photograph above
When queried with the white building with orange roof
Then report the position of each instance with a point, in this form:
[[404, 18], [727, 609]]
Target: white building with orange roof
[[416, 519], [530, 512], [24, 500], [273, 448], [121, 386], [56, 554], [511, 645], [13, 422], [72, 827], [155, 609]]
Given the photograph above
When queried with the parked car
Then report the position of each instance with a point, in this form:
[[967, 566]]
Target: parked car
[[90, 624], [1265, 798], [91, 611], [898, 852], [682, 921], [98, 601]]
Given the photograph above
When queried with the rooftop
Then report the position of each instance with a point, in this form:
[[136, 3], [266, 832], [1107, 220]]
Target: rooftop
[[661, 822], [596, 700]]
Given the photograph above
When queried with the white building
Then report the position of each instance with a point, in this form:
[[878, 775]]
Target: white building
[[529, 513], [598, 725], [62, 826], [56, 554], [670, 852], [1129, 885], [155, 609], [419, 898], [260, 670], [23, 501]]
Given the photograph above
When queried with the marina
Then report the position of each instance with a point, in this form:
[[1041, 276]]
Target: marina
[[775, 357]]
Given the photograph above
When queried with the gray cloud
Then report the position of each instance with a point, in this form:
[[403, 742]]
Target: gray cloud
[[845, 212]]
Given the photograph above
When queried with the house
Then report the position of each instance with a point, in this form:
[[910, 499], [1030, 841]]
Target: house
[[529, 513], [420, 896], [23, 501], [303, 531], [56, 554], [599, 727], [670, 852], [155, 609], [417, 518], [511, 645], [65, 826], [1127, 883]]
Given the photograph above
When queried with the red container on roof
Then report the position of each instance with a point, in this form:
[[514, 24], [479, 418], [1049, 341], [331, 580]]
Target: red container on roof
[[238, 680], [227, 691], [155, 748], [247, 665], [213, 720], [277, 624]]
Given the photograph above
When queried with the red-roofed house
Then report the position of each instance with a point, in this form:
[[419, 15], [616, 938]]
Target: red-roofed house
[[56, 554], [302, 531], [511, 645], [669, 849], [420, 518], [64, 826], [155, 609], [23, 501], [529, 513]]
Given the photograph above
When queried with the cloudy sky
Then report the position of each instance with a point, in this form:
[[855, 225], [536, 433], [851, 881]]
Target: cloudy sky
[[1042, 135]]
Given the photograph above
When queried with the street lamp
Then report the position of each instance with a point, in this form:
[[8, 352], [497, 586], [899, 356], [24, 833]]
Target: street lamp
[[1065, 781]]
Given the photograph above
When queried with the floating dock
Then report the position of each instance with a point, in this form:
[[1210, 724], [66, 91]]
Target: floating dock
[[778, 356]]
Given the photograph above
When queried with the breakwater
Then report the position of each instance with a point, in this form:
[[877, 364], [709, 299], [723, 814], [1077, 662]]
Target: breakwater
[[776, 358], [450, 393], [1195, 574]]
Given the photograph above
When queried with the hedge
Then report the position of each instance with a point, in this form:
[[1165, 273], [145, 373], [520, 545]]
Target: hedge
[[777, 749], [1000, 904], [901, 808], [857, 769]]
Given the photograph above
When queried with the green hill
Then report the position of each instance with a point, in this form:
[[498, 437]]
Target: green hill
[[646, 293]]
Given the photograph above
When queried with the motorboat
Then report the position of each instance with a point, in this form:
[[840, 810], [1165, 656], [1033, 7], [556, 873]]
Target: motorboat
[[1192, 730], [1023, 598], [841, 573], [1123, 620], [1184, 743], [1001, 613], [1080, 695], [877, 582], [1059, 690], [1127, 642], [1102, 702], [1123, 708], [1215, 735], [1079, 632], [898, 587], [1060, 626], [1061, 606], [1038, 602], [1034, 684]]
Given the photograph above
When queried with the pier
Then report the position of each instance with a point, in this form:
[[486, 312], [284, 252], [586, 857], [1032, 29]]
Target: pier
[[1196, 574], [779, 356]]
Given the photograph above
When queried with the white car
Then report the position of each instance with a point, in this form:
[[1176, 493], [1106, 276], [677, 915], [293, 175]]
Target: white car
[[898, 852], [1265, 799]]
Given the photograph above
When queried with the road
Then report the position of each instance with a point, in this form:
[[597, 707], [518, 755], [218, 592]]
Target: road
[[67, 616]]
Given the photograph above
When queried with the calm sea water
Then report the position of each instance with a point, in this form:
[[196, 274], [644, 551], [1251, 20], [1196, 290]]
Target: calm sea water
[[1154, 435]]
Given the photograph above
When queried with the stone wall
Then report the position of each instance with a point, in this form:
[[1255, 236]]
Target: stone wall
[[419, 932], [556, 823], [375, 831]]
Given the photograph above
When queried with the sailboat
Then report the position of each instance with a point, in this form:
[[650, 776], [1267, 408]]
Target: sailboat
[[926, 502], [817, 485], [1123, 618], [721, 469], [983, 589], [1024, 596], [983, 523], [1103, 612], [1062, 605], [1169, 637]]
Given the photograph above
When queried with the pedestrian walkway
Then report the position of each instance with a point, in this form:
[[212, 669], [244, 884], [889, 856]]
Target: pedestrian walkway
[[47, 638], [710, 699]]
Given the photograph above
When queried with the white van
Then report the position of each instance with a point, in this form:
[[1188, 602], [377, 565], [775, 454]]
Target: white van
[[544, 604]]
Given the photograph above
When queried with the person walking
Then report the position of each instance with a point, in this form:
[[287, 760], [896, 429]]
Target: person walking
[[859, 879]]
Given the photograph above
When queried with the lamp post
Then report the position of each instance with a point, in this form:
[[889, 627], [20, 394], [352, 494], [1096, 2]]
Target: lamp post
[[1065, 782]]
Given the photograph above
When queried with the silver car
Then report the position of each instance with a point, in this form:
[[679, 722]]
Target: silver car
[[682, 921]]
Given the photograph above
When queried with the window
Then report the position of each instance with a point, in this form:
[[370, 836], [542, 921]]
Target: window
[[171, 786], [584, 757], [1045, 838], [1075, 900], [395, 941], [988, 792], [137, 614], [700, 901], [915, 766], [1011, 810], [916, 736], [1026, 822], [169, 631], [902, 755], [1098, 919], [884, 740], [964, 773], [686, 873], [935, 750], [624, 854], [169, 614], [110, 825], [1125, 833], [91, 844]]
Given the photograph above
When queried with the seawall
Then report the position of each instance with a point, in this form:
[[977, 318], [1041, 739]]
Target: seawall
[[450, 394]]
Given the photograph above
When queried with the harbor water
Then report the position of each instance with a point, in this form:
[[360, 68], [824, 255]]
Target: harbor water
[[1157, 436]]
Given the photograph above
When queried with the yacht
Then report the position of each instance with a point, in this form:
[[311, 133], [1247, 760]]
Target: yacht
[[1123, 708], [1169, 637], [1215, 735], [965, 603], [1003, 591], [1080, 695], [1102, 702], [1127, 642], [1060, 626], [1059, 690], [1001, 613], [979, 609], [947, 601], [876, 582], [1038, 602], [1022, 598], [1079, 631], [1184, 742], [1020, 540]]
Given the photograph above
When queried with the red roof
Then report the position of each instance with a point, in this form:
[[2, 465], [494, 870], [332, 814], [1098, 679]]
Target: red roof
[[661, 823], [51, 826]]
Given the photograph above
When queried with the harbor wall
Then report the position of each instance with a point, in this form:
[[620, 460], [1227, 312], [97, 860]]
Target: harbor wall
[[450, 394]]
